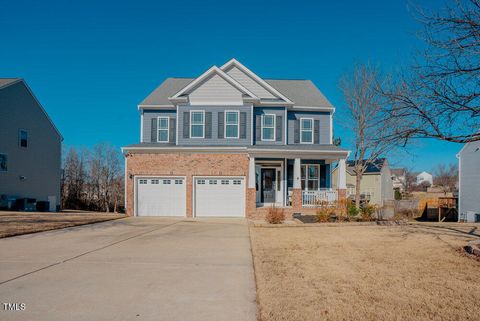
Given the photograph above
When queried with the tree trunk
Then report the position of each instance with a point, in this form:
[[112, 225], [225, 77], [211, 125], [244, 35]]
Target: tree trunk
[[358, 180]]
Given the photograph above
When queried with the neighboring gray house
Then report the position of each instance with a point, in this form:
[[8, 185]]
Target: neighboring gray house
[[469, 182], [30, 146]]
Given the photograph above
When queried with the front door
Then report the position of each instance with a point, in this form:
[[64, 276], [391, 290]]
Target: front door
[[268, 185]]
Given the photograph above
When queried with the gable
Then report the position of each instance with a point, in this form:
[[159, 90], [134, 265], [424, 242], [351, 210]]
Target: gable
[[215, 91], [249, 83]]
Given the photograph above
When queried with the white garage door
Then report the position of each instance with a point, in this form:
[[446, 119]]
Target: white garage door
[[220, 196], [161, 196]]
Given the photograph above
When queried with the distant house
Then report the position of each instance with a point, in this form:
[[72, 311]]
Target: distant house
[[30, 146], [398, 178], [424, 177], [469, 182], [376, 186]]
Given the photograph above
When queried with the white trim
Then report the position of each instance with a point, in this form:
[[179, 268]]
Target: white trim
[[176, 124], [225, 123], [158, 129], [274, 127], [218, 177], [285, 125], [306, 130], [135, 191], [260, 81], [331, 129], [312, 108], [155, 106], [252, 128], [206, 74], [203, 123], [125, 198], [141, 126]]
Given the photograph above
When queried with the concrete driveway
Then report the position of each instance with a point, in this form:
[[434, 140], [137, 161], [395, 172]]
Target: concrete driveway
[[131, 269]]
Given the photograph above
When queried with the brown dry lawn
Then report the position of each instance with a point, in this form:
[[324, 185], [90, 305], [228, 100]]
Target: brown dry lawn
[[18, 223], [415, 272]]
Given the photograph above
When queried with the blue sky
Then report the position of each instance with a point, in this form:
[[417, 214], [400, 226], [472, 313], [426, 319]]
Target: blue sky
[[91, 62]]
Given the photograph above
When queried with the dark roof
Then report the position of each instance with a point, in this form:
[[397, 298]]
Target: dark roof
[[7, 81], [373, 167], [301, 92]]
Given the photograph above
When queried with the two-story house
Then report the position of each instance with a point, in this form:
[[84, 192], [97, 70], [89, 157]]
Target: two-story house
[[30, 147], [229, 143]]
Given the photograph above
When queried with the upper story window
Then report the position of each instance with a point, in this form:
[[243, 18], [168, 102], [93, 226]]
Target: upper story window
[[3, 163], [23, 138], [231, 124], [197, 124], [163, 129], [268, 127], [306, 130]]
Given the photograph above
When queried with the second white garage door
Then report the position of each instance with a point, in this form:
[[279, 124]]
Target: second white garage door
[[220, 196], [161, 196]]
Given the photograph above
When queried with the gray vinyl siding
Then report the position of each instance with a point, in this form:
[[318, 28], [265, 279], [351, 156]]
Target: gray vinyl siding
[[278, 112], [215, 139], [324, 125], [215, 91], [249, 83], [148, 115], [40, 162], [469, 178]]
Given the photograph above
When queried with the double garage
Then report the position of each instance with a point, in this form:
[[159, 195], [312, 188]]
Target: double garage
[[211, 196]]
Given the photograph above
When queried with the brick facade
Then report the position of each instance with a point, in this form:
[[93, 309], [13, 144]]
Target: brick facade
[[182, 164], [195, 164]]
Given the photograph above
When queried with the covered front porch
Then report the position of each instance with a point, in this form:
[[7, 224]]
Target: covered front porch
[[295, 183]]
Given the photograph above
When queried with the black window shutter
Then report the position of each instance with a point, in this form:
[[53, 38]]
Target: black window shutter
[[296, 132], [172, 130], [221, 122], [154, 134], [243, 125], [316, 132], [208, 124], [258, 128], [278, 130], [186, 124]]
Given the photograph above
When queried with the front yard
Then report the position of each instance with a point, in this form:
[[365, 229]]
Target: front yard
[[414, 272], [17, 223]]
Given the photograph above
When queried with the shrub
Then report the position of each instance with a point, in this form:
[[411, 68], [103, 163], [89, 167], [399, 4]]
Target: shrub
[[367, 212], [352, 210], [323, 214], [275, 215]]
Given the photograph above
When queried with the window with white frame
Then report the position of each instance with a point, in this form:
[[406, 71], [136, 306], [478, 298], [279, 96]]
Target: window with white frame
[[231, 124], [197, 124], [23, 138], [310, 177], [306, 130], [268, 127], [163, 129], [3, 163]]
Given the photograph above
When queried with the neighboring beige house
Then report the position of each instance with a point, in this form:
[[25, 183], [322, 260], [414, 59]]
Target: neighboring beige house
[[376, 186]]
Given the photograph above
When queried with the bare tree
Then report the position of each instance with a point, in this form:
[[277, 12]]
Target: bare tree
[[409, 182], [371, 130], [445, 177], [440, 97], [73, 180]]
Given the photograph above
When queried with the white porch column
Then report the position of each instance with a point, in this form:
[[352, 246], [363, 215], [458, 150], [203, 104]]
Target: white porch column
[[297, 180], [251, 173], [342, 175]]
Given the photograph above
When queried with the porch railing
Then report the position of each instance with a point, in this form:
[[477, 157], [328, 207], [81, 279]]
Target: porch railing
[[314, 198]]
